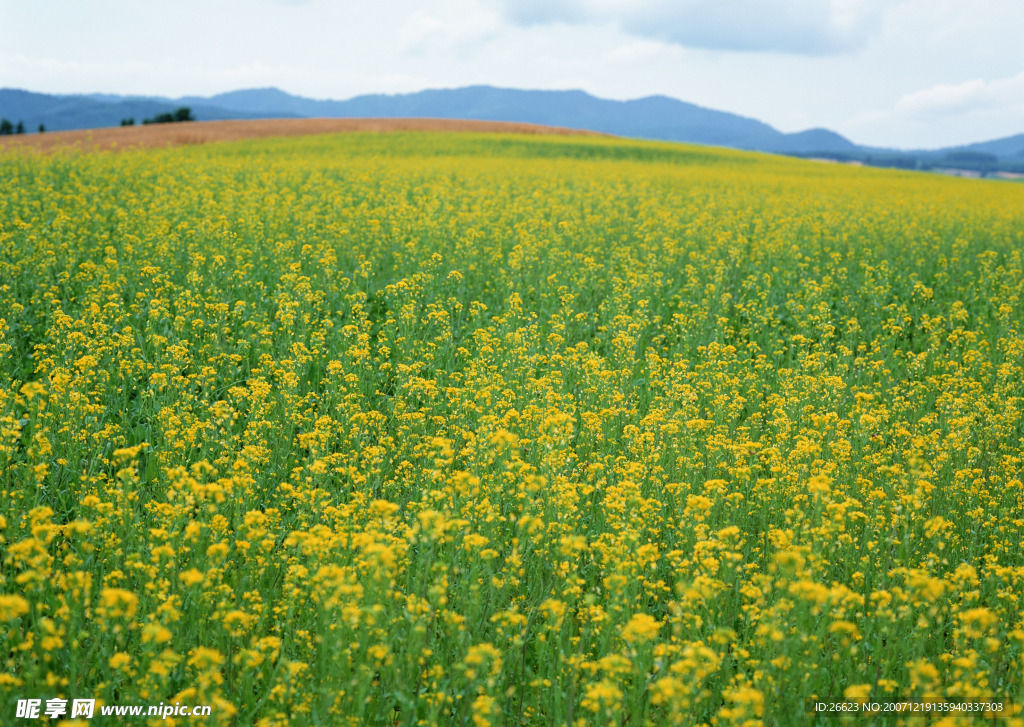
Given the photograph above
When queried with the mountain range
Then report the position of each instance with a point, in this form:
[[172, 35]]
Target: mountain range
[[652, 117]]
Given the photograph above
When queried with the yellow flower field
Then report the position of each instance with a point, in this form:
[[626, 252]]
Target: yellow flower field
[[417, 429]]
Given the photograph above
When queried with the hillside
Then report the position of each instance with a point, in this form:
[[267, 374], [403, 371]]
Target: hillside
[[652, 117], [202, 132]]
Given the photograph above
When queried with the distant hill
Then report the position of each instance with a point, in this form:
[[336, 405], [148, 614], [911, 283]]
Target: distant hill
[[652, 117], [1010, 146], [812, 140], [62, 113]]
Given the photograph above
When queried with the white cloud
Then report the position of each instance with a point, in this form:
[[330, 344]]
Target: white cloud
[[637, 51], [946, 114], [420, 32], [803, 27], [423, 33], [970, 96], [544, 12], [884, 72]]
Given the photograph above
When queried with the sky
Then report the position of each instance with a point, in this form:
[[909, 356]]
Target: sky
[[896, 73]]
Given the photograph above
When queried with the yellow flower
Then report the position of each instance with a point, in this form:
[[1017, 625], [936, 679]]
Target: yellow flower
[[483, 710], [383, 508], [922, 673], [117, 602], [120, 660], [217, 550], [156, 633], [127, 454], [819, 485], [191, 577], [602, 695], [976, 622], [32, 389], [237, 622], [641, 628], [203, 657], [858, 693], [12, 607]]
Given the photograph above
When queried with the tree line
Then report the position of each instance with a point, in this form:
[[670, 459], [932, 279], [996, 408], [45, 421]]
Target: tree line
[[6, 127], [183, 113]]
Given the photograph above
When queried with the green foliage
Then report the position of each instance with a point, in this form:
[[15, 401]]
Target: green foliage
[[182, 114], [6, 127]]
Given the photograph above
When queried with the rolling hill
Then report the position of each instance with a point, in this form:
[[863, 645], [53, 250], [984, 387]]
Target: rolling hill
[[652, 117]]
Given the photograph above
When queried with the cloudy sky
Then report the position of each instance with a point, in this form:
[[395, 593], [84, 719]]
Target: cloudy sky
[[903, 73]]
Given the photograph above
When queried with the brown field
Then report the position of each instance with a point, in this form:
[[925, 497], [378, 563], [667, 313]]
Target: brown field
[[203, 132]]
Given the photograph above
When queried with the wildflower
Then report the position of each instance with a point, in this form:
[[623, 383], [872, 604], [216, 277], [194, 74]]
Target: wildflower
[[191, 577], [120, 661], [641, 628], [118, 603], [156, 634], [859, 693], [11, 607]]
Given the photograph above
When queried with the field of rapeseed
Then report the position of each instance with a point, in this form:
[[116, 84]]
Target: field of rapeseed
[[481, 430]]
